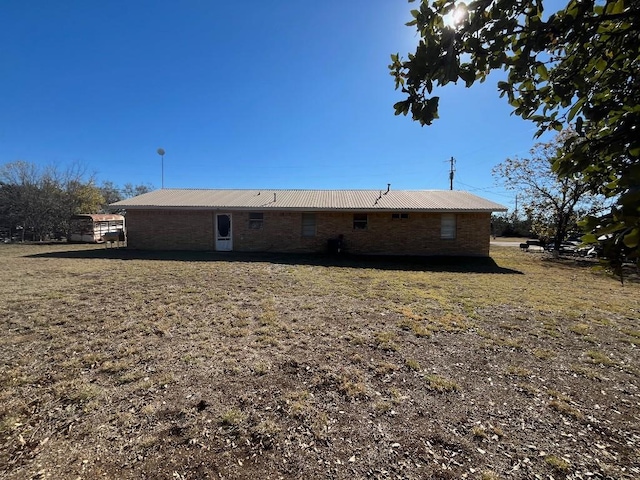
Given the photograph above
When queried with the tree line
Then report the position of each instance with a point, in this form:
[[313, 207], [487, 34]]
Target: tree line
[[37, 203]]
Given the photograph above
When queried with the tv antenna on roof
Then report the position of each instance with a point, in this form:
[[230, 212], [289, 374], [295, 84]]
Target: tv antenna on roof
[[161, 153]]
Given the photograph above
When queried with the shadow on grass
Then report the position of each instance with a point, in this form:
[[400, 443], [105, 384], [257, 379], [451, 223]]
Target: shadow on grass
[[630, 272], [381, 262]]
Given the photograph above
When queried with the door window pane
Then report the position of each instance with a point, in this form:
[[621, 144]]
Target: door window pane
[[224, 225]]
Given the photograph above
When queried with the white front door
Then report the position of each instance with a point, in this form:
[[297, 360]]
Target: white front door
[[223, 232]]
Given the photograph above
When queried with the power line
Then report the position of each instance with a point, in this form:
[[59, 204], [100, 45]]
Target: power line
[[484, 189]]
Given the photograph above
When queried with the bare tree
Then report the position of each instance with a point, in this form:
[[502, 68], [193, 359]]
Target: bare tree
[[40, 200], [553, 203], [111, 193], [129, 190]]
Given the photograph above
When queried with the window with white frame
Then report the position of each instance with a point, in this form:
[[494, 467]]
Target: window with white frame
[[308, 224], [256, 220], [448, 226]]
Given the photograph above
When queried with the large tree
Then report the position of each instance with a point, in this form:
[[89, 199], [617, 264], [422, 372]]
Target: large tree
[[40, 200], [553, 204], [577, 66]]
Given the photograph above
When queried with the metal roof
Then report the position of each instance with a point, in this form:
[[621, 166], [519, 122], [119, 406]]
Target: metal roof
[[312, 200], [97, 217]]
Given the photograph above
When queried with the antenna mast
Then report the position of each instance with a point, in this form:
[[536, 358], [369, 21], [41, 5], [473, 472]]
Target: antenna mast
[[451, 172], [161, 153]]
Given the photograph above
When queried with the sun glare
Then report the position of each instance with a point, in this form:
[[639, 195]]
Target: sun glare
[[457, 16]]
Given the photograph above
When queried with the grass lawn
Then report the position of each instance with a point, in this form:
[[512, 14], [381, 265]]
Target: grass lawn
[[117, 364]]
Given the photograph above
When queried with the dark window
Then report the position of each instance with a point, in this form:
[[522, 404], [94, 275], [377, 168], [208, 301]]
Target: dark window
[[448, 226], [359, 221], [399, 216], [256, 220], [308, 224]]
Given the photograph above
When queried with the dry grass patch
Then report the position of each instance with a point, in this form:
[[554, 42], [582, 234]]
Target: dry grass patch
[[566, 409], [450, 322], [417, 327], [352, 385], [232, 418], [543, 353], [413, 364], [518, 371], [600, 358], [385, 368], [580, 328], [489, 475], [586, 372], [440, 384], [386, 341], [557, 463], [298, 401], [122, 364]]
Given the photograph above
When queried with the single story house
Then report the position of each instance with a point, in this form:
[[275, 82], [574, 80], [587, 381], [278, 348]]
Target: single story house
[[391, 222]]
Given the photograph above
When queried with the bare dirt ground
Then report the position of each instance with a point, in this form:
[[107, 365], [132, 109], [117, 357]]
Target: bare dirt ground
[[117, 364]]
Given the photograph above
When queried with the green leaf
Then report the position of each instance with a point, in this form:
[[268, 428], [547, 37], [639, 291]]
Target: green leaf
[[402, 107], [469, 76], [615, 8], [576, 108], [610, 228], [589, 238], [601, 64], [632, 239], [542, 71], [504, 86]]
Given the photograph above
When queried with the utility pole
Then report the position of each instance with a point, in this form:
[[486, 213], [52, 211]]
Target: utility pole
[[451, 172]]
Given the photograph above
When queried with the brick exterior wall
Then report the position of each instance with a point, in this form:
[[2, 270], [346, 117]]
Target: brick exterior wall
[[281, 231], [170, 229]]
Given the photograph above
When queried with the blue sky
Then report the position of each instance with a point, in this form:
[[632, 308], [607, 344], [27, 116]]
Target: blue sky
[[253, 94]]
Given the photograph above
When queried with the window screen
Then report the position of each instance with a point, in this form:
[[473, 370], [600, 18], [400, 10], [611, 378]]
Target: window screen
[[308, 224], [448, 226]]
